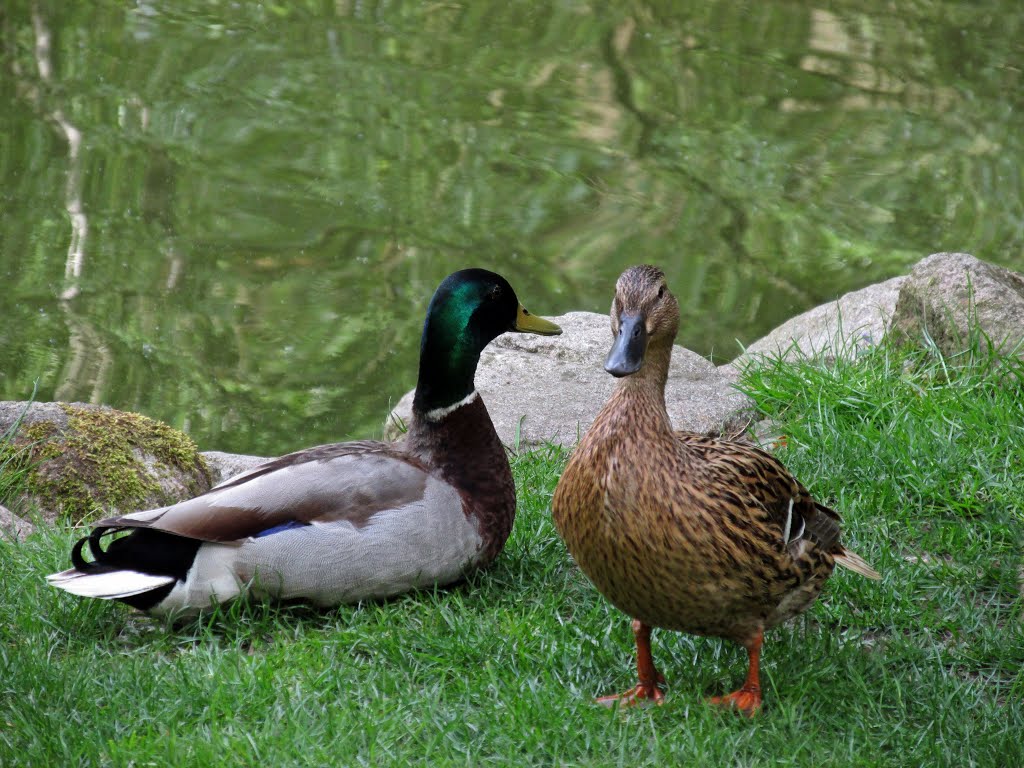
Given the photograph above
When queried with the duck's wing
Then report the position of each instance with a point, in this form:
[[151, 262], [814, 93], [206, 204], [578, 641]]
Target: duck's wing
[[342, 482], [746, 478], [785, 510]]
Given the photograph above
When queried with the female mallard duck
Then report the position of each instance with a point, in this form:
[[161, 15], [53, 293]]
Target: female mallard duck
[[343, 522], [679, 530]]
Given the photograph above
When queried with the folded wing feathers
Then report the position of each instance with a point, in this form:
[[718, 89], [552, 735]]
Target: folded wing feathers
[[317, 485]]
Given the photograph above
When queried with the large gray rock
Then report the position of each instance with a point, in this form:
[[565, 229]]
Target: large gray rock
[[952, 295], [837, 329], [86, 461], [550, 388], [224, 466], [13, 527]]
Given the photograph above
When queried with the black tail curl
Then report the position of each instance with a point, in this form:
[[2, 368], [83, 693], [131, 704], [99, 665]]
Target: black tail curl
[[143, 549], [97, 564]]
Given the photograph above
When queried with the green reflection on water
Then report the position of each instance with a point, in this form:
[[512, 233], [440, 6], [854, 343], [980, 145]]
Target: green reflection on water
[[247, 206]]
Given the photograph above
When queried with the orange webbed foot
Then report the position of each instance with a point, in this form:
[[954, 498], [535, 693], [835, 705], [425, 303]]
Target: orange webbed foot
[[746, 701], [641, 694], [649, 689]]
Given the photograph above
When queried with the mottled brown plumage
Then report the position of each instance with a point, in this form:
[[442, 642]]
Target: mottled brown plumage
[[680, 530]]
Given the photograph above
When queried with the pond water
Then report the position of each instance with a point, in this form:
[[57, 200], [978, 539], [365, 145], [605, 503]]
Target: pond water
[[231, 216]]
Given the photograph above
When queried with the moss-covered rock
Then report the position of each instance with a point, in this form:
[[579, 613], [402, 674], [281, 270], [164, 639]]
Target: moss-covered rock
[[87, 462]]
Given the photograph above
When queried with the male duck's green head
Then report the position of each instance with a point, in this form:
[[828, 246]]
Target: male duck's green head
[[469, 309]]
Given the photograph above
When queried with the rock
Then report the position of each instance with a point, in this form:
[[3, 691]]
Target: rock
[[86, 462], [954, 295], [550, 388], [13, 527], [838, 329], [224, 466]]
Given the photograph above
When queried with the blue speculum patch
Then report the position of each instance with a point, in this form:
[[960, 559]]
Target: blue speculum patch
[[280, 528]]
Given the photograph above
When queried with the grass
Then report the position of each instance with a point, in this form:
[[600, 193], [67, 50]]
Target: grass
[[923, 458], [14, 461]]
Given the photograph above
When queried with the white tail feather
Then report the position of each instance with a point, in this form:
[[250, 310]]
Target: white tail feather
[[107, 586], [855, 562]]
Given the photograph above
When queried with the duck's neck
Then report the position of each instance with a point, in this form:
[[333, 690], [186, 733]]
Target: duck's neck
[[447, 369], [645, 392], [450, 349], [460, 443]]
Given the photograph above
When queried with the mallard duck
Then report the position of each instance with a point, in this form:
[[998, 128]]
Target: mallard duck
[[681, 530], [343, 522]]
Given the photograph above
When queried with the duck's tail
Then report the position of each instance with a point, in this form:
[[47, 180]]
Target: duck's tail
[[854, 562], [136, 569], [113, 584]]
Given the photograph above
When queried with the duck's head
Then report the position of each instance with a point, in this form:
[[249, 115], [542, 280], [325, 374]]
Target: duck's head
[[469, 309], [644, 314]]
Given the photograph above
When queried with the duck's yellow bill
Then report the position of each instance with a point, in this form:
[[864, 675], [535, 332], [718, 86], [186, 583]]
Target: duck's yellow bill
[[527, 323]]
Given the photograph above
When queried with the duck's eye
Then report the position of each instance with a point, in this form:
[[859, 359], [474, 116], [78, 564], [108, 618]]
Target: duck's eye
[[494, 293], [661, 292]]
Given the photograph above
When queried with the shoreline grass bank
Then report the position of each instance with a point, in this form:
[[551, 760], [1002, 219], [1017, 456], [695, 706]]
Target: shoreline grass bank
[[923, 458]]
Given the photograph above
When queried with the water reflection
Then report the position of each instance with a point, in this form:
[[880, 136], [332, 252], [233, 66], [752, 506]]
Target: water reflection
[[232, 217]]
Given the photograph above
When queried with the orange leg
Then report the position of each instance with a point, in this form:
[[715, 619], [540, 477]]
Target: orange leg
[[649, 687], [748, 698]]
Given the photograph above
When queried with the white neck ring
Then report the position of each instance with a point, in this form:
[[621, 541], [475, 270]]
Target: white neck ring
[[439, 413]]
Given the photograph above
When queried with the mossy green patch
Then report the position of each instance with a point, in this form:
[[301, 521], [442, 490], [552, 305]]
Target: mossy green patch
[[106, 459]]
